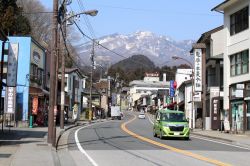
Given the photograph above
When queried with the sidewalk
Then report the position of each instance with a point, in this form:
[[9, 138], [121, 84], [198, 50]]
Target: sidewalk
[[28, 146], [237, 139]]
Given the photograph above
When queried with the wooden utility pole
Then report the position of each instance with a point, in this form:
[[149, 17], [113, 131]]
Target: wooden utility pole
[[91, 80], [51, 126], [63, 75]]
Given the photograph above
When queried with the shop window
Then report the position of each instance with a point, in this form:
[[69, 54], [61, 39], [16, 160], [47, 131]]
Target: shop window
[[239, 21], [239, 63]]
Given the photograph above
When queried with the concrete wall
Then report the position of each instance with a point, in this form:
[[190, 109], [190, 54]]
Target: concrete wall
[[234, 44], [218, 43], [182, 75]]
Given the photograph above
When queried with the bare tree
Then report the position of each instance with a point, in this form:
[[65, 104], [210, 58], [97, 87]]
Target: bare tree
[[39, 17]]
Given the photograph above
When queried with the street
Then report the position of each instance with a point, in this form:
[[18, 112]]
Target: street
[[108, 143]]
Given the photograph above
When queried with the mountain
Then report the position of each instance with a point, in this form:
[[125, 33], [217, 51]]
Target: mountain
[[134, 62], [158, 48]]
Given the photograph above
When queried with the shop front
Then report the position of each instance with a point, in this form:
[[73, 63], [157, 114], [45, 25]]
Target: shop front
[[240, 107], [38, 106]]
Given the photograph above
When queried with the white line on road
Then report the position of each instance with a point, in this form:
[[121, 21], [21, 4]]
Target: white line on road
[[206, 139], [150, 120], [80, 147], [228, 144]]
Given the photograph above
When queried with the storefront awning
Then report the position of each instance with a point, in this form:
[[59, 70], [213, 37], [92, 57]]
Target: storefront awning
[[36, 91]]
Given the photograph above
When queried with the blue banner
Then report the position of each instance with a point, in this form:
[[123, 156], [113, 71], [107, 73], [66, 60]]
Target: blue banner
[[171, 88]]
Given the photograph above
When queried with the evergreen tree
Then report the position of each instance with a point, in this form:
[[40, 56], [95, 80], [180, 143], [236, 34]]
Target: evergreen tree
[[11, 19]]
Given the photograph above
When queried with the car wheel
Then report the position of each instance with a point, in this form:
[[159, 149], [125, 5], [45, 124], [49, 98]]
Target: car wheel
[[154, 133], [186, 138]]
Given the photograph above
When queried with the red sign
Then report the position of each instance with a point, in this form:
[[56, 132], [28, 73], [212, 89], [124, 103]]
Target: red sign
[[175, 84], [35, 105]]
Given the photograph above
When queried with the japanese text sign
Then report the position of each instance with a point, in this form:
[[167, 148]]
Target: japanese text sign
[[10, 100], [197, 70]]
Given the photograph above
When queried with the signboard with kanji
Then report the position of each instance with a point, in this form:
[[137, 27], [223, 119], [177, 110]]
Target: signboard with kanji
[[10, 100], [12, 64], [171, 88], [197, 70]]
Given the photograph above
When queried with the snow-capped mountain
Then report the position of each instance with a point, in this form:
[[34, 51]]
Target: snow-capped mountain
[[158, 48]]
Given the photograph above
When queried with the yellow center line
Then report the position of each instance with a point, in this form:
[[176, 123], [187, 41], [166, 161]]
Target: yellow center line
[[187, 153]]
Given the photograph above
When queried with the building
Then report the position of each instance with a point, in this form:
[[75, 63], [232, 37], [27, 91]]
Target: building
[[26, 81], [236, 44], [211, 46], [183, 94], [150, 86], [74, 87]]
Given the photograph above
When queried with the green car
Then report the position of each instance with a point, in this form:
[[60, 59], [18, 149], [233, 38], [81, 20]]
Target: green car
[[171, 123]]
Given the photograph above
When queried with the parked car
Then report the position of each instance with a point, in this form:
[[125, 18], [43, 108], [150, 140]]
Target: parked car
[[142, 115], [171, 123]]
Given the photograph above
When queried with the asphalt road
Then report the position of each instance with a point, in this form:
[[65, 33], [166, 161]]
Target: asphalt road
[[131, 142]]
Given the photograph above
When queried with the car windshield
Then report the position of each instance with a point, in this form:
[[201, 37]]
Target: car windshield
[[173, 117]]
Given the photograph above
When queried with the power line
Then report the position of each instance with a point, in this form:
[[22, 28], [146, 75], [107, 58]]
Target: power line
[[88, 24], [65, 44]]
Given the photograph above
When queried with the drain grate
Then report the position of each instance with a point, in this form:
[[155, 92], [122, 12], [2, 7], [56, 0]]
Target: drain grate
[[5, 155]]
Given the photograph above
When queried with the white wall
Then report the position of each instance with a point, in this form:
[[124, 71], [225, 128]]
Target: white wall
[[234, 44], [218, 43], [182, 75]]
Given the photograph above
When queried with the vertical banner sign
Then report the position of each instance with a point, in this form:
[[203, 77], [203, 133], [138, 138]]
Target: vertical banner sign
[[171, 88], [12, 64], [10, 100], [197, 70], [35, 105]]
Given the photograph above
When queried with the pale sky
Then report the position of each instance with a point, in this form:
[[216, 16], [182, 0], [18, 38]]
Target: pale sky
[[179, 19]]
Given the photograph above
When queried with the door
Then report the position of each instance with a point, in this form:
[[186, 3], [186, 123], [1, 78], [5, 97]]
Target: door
[[248, 115], [215, 119], [237, 116]]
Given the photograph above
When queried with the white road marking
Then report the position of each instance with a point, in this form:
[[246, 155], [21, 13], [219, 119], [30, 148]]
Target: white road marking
[[80, 147], [206, 139], [150, 120], [219, 142]]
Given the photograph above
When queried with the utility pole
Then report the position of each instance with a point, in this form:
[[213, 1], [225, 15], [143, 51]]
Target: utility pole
[[51, 126], [1, 81], [91, 80], [63, 74]]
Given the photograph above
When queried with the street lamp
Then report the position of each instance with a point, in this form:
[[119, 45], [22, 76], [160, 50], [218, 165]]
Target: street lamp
[[192, 119], [72, 15]]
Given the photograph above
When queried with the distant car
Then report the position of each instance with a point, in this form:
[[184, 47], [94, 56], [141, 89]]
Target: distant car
[[142, 115]]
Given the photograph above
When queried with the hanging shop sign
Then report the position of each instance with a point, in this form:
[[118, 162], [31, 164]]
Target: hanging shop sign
[[10, 100], [12, 64], [197, 70], [35, 105], [171, 88]]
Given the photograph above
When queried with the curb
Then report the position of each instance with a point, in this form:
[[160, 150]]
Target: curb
[[73, 126], [212, 137], [66, 129]]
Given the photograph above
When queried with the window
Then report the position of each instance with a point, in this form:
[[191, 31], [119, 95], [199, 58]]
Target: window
[[239, 21], [239, 63]]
